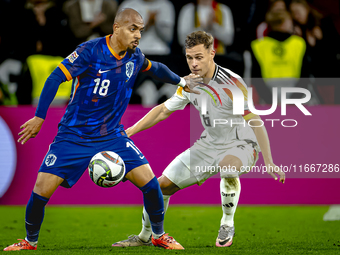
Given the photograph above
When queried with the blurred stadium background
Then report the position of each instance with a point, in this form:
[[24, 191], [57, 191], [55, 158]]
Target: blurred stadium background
[[36, 35]]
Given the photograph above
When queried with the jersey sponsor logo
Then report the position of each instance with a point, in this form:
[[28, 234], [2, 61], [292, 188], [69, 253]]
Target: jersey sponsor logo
[[50, 160], [228, 205], [103, 71], [129, 69], [73, 56], [227, 194]]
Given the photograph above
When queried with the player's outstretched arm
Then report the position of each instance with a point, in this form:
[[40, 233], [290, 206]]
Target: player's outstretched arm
[[263, 139], [162, 73], [32, 127], [155, 115]]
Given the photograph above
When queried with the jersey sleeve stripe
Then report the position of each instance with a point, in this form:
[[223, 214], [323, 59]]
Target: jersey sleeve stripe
[[233, 81], [249, 116], [65, 71], [75, 90], [228, 93], [241, 87], [148, 67]]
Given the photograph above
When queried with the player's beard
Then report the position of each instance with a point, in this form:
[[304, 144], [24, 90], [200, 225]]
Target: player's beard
[[131, 50]]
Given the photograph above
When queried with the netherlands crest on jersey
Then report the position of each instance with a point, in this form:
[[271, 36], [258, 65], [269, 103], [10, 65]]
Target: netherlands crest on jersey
[[129, 69]]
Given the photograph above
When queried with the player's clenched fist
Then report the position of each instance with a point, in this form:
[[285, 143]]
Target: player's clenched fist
[[30, 129]]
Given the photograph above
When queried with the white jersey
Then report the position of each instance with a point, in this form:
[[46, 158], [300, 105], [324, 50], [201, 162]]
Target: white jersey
[[222, 129]]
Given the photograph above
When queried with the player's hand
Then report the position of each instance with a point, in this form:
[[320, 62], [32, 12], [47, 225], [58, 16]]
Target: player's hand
[[192, 80], [275, 171], [30, 129]]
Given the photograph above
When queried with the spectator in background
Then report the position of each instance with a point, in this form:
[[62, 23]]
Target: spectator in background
[[321, 36], [211, 17], [159, 17], [279, 59], [51, 27], [90, 19], [11, 25], [274, 6], [307, 21]]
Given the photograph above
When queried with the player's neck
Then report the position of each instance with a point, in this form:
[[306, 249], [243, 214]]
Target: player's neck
[[211, 71], [116, 46]]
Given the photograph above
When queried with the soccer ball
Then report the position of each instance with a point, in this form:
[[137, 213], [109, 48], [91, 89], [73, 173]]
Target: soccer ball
[[106, 169]]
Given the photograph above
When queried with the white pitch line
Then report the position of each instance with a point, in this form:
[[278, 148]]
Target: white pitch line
[[332, 214]]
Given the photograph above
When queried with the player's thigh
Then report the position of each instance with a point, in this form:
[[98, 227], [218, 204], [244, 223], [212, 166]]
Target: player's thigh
[[178, 173], [67, 159], [203, 163], [231, 161], [140, 175], [237, 160], [137, 168]]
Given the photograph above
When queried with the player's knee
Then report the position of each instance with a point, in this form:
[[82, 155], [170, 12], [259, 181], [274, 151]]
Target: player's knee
[[46, 184], [231, 162], [42, 189], [167, 186]]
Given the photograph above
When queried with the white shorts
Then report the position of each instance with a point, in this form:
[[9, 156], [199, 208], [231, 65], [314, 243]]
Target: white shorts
[[197, 164]]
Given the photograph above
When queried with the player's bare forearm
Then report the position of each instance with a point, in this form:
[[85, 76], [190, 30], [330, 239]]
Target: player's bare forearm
[[263, 140], [154, 116]]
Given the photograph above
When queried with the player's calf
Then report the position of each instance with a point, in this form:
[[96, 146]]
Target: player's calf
[[167, 186]]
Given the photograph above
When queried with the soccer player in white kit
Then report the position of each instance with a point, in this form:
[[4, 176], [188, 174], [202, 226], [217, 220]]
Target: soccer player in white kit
[[226, 144]]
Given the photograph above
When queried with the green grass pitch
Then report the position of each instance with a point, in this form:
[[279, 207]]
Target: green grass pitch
[[259, 230]]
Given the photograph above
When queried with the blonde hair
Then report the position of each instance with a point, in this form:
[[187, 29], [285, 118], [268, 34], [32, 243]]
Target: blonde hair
[[199, 37]]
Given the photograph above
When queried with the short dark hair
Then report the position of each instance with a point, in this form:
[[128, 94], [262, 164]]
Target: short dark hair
[[197, 38], [276, 18]]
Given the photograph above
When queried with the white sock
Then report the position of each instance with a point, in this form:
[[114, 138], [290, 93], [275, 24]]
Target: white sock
[[230, 189], [146, 232], [31, 243]]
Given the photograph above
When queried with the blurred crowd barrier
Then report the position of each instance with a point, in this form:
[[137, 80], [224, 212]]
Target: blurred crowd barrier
[[314, 140]]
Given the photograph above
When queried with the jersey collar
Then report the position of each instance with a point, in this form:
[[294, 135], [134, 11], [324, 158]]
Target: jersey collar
[[215, 72], [111, 50]]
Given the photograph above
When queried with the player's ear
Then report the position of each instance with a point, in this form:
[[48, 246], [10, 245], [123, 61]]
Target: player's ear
[[115, 28], [212, 53]]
